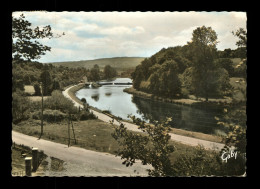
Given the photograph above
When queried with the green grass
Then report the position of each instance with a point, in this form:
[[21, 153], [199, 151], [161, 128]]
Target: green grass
[[91, 134], [236, 61], [120, 63]]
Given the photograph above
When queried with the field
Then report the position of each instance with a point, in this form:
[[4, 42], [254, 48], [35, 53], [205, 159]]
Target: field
[[120, 63], [91, 134], [29, 89]]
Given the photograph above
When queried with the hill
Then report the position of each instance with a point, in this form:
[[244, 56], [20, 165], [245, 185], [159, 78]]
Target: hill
[[120, 63]]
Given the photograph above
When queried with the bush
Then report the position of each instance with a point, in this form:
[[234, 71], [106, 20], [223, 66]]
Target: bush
[[86, 115], [58, 102], [20, 107], [37, 89], [50, 115]]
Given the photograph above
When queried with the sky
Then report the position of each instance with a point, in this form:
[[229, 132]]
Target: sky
[[94, 35]]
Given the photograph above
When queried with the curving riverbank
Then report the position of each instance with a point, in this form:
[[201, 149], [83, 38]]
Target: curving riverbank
[[191, 138], [200, 102]]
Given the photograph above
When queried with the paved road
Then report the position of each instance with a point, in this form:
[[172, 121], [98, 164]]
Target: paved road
[[81, 162], [179, 138]]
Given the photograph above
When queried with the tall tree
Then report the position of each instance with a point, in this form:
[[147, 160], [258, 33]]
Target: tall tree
[[46, 80], [204, 41]]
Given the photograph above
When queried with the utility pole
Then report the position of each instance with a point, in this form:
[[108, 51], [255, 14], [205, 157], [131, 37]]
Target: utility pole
[[41, 112]]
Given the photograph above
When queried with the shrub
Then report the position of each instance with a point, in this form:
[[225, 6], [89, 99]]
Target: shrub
[[58, 102], [50, 115], [20, 107], [37, 89], [86, 115]]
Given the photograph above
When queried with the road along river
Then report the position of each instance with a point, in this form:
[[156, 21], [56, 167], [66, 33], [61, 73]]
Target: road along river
[[183, 139]]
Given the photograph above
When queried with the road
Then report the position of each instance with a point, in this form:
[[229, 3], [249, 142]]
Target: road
[[179, 138], [81, 162]]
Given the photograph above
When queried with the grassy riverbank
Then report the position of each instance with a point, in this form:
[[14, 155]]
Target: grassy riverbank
[[186, 101], [198, 135]]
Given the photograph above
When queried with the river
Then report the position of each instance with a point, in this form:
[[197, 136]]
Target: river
[[119, 103]]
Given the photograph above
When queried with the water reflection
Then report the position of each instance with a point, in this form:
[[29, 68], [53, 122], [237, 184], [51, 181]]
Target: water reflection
[[112, 97], [108, 94], [95, 97], [183, 117]]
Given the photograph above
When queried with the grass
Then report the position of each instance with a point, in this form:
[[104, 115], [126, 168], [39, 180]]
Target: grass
[[91, 134], [29, 89], [37, 98], [197, 135]]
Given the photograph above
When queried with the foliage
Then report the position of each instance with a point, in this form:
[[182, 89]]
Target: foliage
[[86, 115], [109, 72], [242, 35], [152, 148], [20, 107], [58, 102], [227, 64], [200, 163], [37, 89], [46, 81], [203, 45], [94, 73], [25, 46], [50, 115]]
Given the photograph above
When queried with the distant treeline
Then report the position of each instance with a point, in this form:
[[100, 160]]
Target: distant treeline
[[54, 77]]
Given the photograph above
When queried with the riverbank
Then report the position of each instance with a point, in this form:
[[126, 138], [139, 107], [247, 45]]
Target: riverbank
[[72, 92], [197, 135], [192, 101]]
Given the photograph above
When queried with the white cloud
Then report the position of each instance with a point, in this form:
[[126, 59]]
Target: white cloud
[[108, 34]]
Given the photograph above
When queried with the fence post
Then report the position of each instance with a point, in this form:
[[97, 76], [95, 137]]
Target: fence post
[[28, 169], [35, 159]]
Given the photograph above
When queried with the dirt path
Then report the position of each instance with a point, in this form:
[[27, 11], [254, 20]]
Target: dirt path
[[179, 138], [81, 162]]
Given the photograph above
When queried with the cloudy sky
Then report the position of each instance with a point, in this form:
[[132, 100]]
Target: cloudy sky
[[93, 35]]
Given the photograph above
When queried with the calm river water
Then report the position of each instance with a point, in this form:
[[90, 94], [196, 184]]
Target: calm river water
[[119, 103]]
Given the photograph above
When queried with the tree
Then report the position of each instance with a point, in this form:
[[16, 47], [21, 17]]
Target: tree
[[242, 35], [25, 46], [227, 64], [55, 85], [204, 41], [94, 73], [46, 80], [109, 72], [153, 148], [37, 89]]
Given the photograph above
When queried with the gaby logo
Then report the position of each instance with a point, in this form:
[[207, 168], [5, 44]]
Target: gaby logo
[[227, 155]]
